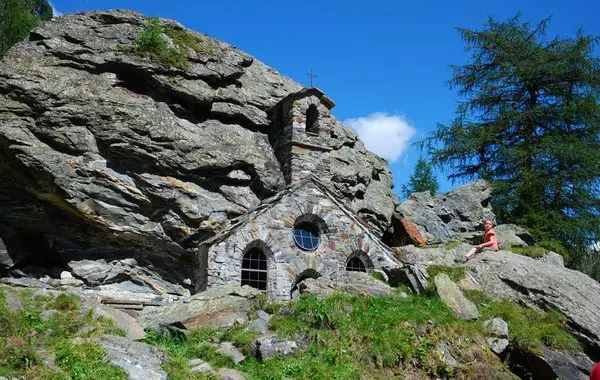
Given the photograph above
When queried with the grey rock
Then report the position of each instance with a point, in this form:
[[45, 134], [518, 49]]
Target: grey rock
[[509, 235], [84, 330], [199, 365], [94, 272], [13, 303], [195, 362], [453, 297], [230, 374], [497, 345], [553, 259], [574, 366], [269, 346], [125, 155], [443, 350], [70, 282], [65, 274], [140, 360], [526, 280], [133, 329], [457, 214], [127, 273], [264, 315], [46, 315], [260, 325], [551, 364], [219, 306], [229, 350], [496, 327], [547, 286], [345, 282], [25, 282]]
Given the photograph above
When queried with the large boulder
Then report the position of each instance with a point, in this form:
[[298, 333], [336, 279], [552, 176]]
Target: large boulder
[[550, 364], [219, 306], [455, 215], [354, 283], [104, 153], [455, 299], [141, 361], [510, 235]]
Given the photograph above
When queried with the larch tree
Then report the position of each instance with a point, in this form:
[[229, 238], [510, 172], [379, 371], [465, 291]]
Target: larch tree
[[422, 179], [529, 122], [18, 18]]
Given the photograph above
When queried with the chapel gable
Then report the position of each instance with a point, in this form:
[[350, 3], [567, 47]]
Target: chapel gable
[[303, 232]]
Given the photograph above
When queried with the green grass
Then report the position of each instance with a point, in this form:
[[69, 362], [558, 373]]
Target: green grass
[[531, 251], [153, 45], [351, 337], [452, 244], [379, 277], [528, 328], [181, 349], [347, 337], [26, 336]]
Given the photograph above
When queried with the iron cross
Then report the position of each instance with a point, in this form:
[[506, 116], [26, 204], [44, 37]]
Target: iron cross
[[311, 76]]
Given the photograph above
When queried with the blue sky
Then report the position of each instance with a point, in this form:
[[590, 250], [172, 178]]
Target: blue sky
[[384, 63]]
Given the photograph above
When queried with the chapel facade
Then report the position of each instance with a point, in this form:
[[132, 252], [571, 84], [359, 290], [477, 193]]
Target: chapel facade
[[303, 231]]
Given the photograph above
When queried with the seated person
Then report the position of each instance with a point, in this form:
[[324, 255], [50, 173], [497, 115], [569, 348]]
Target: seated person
[[489, 241]]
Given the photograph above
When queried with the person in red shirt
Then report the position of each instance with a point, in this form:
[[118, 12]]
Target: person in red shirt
[[595, 375], [489, 241]]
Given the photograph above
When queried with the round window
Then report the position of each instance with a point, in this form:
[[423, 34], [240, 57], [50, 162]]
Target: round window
[[306, 236]]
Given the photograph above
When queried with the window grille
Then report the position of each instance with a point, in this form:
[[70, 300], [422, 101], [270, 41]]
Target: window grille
[[355, 265], [254, 269], [306, 236]]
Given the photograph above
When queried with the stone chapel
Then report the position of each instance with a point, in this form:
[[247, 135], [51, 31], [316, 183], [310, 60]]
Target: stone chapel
[[303, 231]]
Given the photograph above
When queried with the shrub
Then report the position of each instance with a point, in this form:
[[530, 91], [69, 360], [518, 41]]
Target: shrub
[[154, 45]]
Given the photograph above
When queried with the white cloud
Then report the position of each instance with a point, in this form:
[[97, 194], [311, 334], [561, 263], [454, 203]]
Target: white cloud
[[383, 134], [55, 11]]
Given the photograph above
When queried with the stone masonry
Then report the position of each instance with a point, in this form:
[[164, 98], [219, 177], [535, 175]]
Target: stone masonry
[[271, 228]]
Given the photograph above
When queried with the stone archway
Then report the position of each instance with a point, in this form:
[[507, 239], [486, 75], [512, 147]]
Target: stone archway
[[308, 273]]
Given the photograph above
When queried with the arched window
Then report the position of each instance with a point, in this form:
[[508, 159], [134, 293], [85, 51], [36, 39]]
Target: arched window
[[254, 269], [355, 265], [312, 118], [306, 236]]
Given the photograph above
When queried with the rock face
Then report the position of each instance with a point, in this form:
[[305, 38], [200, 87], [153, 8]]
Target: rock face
[[509, 235], [452, 215], [505, 275], [540, 283], [105, 153]]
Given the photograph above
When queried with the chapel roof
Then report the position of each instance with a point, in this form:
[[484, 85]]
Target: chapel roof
[[268, 203], [327, 102]]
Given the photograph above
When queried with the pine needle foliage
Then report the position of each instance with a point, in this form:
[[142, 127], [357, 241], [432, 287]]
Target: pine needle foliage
[[18, 18], [422, 179], [529, 122]]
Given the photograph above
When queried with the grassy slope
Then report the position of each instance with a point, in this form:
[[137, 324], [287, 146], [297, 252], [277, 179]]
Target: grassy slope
[[348, 337], [26, 338], [374, 338]]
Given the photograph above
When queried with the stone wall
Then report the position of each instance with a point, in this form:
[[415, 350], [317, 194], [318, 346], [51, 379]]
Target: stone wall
[[342, 238]]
